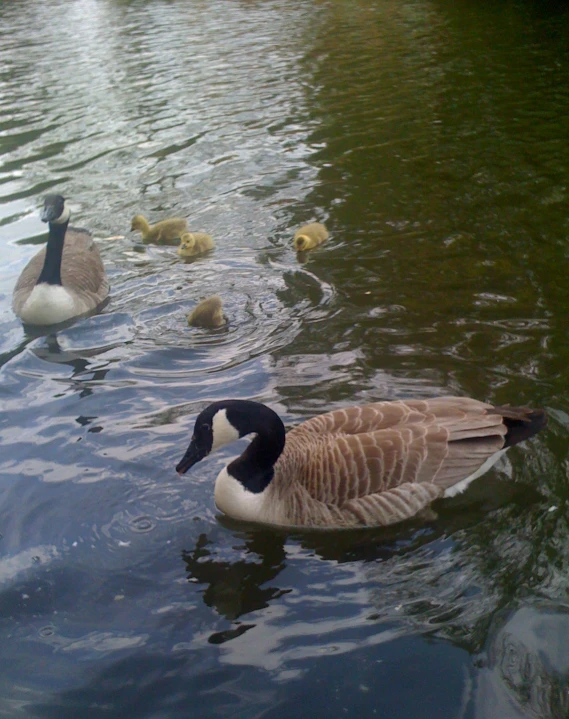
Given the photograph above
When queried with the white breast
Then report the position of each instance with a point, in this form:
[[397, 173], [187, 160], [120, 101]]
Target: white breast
[[233, 499], [49, 304]]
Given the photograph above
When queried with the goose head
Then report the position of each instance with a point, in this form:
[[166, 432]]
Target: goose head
[[225, 421], [55, 210]]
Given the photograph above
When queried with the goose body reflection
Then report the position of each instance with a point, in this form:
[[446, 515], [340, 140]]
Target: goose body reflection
[[66, 279], [362, 466]]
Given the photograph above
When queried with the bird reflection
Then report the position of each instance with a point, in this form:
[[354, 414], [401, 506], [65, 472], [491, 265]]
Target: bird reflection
[[237, 588], [79, 363]]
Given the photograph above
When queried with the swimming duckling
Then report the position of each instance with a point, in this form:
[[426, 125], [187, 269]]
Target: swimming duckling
[[208, 314], [361, 466], [193, 243], [163, 231], [309, 236], [64, 280]]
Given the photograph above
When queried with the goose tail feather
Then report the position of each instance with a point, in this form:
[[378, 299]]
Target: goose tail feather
[[521, 422]]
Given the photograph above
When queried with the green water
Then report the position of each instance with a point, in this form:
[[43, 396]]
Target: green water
[[432, 139]]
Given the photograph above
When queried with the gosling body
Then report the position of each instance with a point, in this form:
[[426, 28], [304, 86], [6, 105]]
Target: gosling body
[[309, 236], [208, 314], [164, 231], [194, 243], [363, 466], [66, 279]]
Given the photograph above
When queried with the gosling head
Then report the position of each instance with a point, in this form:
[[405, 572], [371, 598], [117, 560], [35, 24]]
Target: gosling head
[[55, 210], [138, 223], [187, 244], [302, 243]]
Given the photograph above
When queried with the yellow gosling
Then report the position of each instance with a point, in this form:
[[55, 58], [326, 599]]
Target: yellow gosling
[[309, 236], [163, 231], [208, 314], [193, 243]]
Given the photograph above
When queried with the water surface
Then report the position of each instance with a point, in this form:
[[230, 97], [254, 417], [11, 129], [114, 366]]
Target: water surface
[[431, 138]]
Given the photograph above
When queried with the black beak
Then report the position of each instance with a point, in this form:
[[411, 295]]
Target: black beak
[[48, 213], [193, 456]]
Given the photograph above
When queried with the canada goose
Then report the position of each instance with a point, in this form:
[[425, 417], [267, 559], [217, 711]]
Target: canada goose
[[309, 236], [192, 243], [364, 466], [64, 280], [163, 231], [209, 313]]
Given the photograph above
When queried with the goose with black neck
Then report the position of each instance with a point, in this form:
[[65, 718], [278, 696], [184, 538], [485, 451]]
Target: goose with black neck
[[66, 279], [363, 466]]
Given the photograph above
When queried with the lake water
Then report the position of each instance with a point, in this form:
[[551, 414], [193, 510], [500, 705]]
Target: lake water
[[432, 138]]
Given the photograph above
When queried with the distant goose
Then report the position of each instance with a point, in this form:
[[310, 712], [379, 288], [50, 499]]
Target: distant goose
[[194, 243], [364, 466], [208, 314], [64, 280], [309, 236], [163, 231]]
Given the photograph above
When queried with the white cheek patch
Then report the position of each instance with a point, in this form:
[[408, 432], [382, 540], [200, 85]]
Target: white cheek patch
[[222, 430], [64, 215]]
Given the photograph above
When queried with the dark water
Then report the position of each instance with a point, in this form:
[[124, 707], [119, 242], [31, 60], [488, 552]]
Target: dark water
[[431, 137]]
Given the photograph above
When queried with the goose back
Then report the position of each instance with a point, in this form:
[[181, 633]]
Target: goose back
[[382, 463]]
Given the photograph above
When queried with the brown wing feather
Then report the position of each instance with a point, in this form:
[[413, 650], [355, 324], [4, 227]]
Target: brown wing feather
[[382, 415], [393, 505], [439, 441], [82, 270], [27, 281]]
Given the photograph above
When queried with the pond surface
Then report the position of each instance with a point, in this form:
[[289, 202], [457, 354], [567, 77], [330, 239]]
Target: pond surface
[[431, 137]]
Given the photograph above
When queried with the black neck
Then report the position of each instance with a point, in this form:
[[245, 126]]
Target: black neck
[[254, 468], [51, 271]]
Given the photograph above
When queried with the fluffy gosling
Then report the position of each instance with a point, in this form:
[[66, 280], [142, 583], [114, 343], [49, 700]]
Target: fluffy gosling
[[163, 231], [309, 236], [208, 314], [193, 243]]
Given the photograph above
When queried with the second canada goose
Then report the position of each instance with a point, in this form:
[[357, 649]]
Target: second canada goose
[[363, 466], [64, 280], [208, 314], [309, 236], [163, 231], [193, 243]]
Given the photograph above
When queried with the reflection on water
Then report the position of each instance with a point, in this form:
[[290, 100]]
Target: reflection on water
[[429, 137], [527, 667]]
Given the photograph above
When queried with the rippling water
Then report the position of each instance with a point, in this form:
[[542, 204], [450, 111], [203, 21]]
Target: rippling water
[[431, 138]]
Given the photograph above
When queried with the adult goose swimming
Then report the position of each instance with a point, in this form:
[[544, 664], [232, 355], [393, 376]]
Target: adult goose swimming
[[363, 466], [64, 280]]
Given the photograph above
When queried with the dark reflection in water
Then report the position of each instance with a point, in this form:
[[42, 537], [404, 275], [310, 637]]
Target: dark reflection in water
[[430, 138], [234, 588]]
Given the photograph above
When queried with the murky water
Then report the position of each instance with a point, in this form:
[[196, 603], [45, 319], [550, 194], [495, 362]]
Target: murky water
[[431, 137]]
